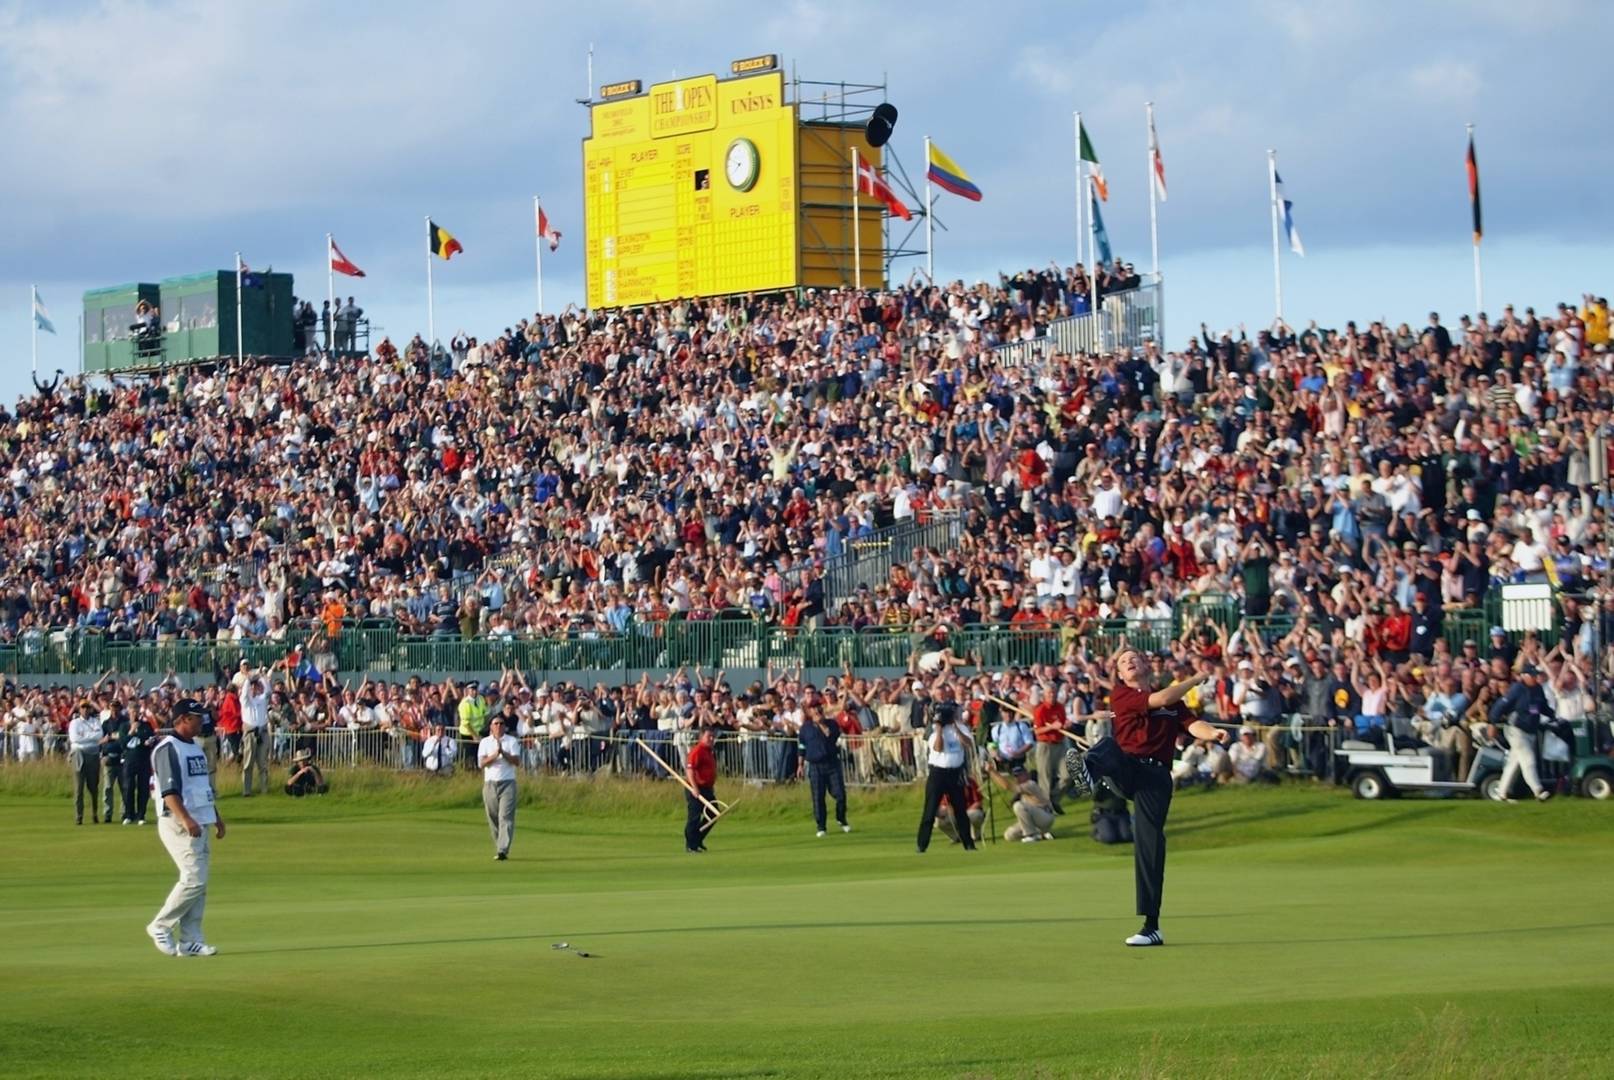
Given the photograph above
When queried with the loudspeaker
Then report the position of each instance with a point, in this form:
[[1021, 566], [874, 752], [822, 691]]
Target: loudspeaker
[[878, 131]]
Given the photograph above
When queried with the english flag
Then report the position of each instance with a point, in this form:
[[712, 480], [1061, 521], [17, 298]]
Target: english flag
[[342, 264], [871, 184], [545, 231]]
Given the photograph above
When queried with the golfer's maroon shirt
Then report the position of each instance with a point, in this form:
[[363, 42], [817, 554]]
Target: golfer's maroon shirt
[[1145, 732], [702, 765]]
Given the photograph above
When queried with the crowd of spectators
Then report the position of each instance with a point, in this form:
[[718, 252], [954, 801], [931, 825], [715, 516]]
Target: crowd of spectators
[[582, 472]]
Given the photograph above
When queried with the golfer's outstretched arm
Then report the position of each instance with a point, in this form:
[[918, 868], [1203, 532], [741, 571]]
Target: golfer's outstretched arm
[[1174, 693], [1204, 729]]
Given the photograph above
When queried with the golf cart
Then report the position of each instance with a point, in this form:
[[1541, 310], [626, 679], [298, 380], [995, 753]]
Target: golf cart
[[1375, 770], [1590, 773]]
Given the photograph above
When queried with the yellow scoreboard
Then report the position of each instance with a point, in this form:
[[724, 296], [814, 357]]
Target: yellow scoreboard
[[691, 189]]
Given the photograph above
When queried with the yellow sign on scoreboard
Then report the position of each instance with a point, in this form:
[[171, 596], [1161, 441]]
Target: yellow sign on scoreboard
[[691, 190]]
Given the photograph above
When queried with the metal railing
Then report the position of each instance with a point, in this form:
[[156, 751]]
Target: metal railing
[[1124, 321], [723, 639], [871, 757], [868, 562]]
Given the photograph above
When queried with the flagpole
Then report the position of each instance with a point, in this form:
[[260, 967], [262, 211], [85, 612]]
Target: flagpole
[[1154, 223], [431, 306], [538, 253], [857, 230], [1092, 261], [1277, 260], [1081, 191], [1479, 277], [330, 290], [930, 244], [240, 335], [33, 321]]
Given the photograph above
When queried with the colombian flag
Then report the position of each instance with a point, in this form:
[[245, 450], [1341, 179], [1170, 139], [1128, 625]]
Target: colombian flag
[[945, 174], [443, 245]]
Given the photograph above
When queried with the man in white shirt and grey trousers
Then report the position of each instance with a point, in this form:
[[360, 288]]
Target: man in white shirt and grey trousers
[[498, 754], [185, 789], [254, 696]]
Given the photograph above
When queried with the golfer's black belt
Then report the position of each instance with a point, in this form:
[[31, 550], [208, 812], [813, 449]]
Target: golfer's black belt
[[1156, 762]]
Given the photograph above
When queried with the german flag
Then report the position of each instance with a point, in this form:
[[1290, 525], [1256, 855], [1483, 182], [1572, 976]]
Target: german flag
[[443, 244], [1473, 189]]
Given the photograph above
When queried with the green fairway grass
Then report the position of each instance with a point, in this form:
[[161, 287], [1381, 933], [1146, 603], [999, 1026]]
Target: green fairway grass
[[370, 933]]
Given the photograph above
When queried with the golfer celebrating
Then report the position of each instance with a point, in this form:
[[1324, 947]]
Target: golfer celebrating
[[1146, 724], [185, 790]]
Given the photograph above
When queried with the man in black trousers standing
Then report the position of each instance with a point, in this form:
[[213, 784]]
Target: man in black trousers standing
[[821, 745], [947, 744], [1146, 722]]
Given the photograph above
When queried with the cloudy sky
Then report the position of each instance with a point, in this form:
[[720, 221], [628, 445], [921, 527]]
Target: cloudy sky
[[149, 139]]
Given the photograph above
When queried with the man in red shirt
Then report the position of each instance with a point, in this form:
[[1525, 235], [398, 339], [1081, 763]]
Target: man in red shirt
[[1048, 724], [1147, 722], [700, 769]]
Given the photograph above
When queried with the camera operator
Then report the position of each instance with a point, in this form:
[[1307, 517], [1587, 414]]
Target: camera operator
[[947, 741]]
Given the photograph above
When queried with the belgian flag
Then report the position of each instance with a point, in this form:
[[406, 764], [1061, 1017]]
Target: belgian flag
[[443, 244], [1473, 189]]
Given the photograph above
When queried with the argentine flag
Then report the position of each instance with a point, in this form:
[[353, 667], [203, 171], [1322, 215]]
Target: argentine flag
[[1289, 229], [41, 316]]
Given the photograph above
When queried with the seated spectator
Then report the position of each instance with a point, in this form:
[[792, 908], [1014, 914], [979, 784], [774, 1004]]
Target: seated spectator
[[306, 777]]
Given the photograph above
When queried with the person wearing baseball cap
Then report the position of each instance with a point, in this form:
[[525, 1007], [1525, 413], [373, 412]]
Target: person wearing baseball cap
[[184, 790], [1523, 710]]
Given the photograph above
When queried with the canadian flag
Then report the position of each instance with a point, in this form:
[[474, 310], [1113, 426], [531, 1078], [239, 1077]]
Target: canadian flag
[[547, 232], [342, 264], [870, 183]]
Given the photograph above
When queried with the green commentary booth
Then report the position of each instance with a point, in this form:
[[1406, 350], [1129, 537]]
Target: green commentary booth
[[197, 314]]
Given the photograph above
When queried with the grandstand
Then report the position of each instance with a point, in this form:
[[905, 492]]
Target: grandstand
[[843, 481]]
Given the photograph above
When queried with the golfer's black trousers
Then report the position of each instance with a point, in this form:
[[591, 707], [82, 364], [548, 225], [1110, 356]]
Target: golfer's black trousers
[[695, 825], [822, 777], [1149, 787], [940, 782]]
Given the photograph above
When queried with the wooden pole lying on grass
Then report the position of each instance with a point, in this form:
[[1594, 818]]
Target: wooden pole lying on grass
[[713, 811]]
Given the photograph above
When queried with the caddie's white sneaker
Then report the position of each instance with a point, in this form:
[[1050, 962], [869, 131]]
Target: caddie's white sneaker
[[846, 828], [163, 940], [1031, 839], [197, 948], [1145, 938]]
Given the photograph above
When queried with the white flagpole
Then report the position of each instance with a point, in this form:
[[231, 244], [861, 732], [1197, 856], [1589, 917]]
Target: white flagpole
[[1154, 223], [33, 321], [240, 336], [330, 289], [857, 230], [1092, 259], [1081, 191], [431, 306], [1479, 277], [1277, 259], [930, 201], [538, 252]]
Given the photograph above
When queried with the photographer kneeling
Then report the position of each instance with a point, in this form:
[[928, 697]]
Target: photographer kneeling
[[306, 777], [1033, 814]]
